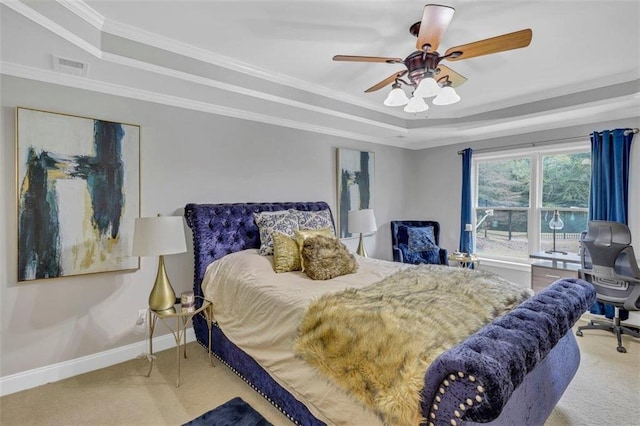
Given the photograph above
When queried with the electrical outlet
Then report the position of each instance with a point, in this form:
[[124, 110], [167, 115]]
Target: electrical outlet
[[142, 318]]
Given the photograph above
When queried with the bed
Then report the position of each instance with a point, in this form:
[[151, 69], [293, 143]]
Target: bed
[[511, 371]]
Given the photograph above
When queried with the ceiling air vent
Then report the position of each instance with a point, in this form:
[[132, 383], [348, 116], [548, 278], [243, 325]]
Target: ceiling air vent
[[69, 66]]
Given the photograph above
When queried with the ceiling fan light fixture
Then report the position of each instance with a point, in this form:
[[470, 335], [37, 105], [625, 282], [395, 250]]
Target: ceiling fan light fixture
[[427, 88], [416, 104], [396, 97], [447, 96]]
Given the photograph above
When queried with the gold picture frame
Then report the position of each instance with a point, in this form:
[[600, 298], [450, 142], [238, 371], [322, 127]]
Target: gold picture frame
[[78, 194]]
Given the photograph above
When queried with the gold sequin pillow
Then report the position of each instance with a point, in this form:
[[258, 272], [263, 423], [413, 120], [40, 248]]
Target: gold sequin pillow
[[286, 254], [301, 236]]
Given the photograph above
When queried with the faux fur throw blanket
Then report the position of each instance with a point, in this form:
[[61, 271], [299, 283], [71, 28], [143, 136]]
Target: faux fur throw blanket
[[377, 342]]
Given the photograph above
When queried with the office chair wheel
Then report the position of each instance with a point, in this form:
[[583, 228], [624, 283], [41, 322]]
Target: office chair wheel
[[579, 333], [622, 349]]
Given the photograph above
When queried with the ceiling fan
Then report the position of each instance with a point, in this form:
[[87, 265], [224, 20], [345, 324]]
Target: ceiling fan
[[423, 69]]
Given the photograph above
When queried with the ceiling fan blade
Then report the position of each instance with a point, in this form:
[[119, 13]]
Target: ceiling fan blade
[[386, 81], [348, 58], [501, 43], [445, 72], [435, 20]]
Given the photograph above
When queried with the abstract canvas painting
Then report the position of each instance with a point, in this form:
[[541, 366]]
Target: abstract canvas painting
[[355, 184], [78, 194]]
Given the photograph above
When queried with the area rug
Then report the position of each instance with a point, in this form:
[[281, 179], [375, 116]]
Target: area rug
[[235, 412]]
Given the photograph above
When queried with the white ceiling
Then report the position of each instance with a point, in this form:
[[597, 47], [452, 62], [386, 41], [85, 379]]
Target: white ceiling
[[271, 61]]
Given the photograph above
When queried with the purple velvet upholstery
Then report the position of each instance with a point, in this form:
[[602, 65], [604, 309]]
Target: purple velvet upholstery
[[522, 361], [500, 355], [220, 229]]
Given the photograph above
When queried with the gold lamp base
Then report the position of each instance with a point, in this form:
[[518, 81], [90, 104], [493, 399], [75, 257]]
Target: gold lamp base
[[162, 296], [361, 250]]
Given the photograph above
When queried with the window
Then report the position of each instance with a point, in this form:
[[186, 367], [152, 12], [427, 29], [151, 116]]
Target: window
[[517, 193]]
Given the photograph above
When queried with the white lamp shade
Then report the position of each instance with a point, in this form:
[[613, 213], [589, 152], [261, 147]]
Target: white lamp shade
[[447, 96], [361, 221], [396, 97], [416, 104], [154, 236], [427, 88]]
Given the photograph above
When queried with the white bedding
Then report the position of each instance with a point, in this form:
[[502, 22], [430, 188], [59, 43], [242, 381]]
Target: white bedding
[[259, 311]]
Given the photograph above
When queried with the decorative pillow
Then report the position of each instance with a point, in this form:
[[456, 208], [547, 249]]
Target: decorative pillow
[[314, 220], [270, 222], [326, 258], [417, 257], [286, 255], [421, 238], [301, 236]]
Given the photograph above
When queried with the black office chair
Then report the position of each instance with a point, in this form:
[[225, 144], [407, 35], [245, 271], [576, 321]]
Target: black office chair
[[609, 263]]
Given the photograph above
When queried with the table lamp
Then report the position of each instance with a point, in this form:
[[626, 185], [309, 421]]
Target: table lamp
[[361, 221], [555, 224], [158, 236]]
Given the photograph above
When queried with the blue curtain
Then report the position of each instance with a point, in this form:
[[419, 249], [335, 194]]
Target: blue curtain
[[466, 207], [609, 197]]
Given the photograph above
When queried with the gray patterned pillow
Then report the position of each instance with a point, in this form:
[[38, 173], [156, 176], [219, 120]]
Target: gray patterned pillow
[[308, 220], [269, 222]]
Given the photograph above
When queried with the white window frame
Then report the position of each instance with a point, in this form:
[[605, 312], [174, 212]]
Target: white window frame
[[534, 211]]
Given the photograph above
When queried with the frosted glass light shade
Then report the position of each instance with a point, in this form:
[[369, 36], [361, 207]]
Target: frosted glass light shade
[[416, 104], [360, 221], [396, 97], [427, 88], [447, 96], [154, 236], [556, 223]]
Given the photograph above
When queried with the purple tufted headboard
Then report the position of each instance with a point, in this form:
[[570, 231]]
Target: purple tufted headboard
[[220, 229]]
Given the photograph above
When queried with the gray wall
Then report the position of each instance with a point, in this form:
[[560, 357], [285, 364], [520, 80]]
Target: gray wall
[[186, 156]]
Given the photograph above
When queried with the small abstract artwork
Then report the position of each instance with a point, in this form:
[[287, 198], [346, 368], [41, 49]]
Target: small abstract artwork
[[78, 194], [355, 184]]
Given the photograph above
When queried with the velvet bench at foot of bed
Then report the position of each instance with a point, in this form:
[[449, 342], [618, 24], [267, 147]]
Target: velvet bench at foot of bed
[[512, 371]]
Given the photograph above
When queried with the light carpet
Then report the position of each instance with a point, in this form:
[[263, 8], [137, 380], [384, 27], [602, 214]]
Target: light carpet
[[605, 391]]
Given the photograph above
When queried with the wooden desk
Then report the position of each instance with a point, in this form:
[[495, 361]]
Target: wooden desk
[[551, 267]]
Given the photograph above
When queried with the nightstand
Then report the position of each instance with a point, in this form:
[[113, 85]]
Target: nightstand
[[464, 260], [179, 330]]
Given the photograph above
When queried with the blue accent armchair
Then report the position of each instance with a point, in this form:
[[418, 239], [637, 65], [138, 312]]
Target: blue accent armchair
[[425, 250]]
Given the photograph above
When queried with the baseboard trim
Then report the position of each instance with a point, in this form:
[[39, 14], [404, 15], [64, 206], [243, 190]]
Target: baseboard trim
[[62, 370]]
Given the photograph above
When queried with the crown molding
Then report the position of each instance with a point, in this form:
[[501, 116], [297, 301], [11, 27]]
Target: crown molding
[[244, 91], [55, 28], [155, 40], [88, 14], [84, 11], [68, 80]]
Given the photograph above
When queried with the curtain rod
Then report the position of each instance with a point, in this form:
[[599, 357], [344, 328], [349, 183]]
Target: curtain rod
[[541, 143]]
